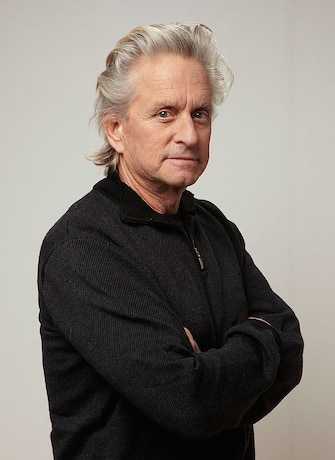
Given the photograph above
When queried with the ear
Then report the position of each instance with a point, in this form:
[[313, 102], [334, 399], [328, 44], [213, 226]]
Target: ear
[[114, 132]]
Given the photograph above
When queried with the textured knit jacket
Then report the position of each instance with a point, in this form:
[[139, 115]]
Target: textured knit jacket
[[118, 283]]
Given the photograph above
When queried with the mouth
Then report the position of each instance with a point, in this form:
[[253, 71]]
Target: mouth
[[183, 159]]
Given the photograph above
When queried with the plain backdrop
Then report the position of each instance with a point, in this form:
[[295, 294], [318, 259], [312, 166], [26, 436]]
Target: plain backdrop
[[271, 172]]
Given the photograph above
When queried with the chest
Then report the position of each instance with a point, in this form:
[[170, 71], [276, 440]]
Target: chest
[[208, 299]]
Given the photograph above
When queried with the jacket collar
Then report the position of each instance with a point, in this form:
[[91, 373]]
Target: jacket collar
[[135, 210]]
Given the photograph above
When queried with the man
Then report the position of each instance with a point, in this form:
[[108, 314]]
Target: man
[[161, 338]]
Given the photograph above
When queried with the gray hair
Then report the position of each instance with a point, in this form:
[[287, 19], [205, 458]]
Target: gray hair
[[117, 85]]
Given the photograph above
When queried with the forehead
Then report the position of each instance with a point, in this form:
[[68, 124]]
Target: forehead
[[168, 74]]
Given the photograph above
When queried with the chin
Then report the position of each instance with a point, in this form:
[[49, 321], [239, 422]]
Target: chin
[[183, 184], [190, 179], [181, 179]]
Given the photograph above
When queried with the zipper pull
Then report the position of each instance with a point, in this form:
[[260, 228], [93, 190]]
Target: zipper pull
[[201, 262]]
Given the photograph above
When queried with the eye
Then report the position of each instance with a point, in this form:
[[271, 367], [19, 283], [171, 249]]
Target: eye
[[164, 114], [201, 115]]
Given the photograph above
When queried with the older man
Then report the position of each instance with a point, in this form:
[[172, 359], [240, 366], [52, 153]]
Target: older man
[[161, 338]]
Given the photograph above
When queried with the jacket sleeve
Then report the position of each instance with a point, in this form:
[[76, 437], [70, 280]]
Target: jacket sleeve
[[266, 304], [113, 312]]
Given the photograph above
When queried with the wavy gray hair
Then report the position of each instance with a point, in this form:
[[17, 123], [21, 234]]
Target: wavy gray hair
[[117, 85]]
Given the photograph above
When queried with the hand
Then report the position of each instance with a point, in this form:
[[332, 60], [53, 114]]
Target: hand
[[192, 341]]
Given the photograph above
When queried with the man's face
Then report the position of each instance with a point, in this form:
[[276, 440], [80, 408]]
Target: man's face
[[164, 142]]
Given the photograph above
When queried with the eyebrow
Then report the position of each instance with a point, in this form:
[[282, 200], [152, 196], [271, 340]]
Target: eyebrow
[[168, 105], [207, 107]]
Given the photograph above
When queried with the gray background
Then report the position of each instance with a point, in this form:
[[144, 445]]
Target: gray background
[[271, 171]]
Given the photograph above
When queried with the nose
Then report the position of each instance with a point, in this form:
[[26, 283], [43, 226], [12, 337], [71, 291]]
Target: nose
[[186, 131]]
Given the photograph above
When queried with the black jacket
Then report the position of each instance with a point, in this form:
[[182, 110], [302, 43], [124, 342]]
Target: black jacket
[[117, 284]]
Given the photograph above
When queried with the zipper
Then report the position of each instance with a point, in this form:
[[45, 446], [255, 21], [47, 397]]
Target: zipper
[[188, 229], [198, 255]]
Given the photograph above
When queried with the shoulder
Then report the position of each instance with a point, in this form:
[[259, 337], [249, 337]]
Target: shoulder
[[210, 215], [209, 209], [93, 216]]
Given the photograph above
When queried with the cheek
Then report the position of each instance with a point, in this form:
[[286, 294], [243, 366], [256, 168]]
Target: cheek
[[134, 144], [204, 147]]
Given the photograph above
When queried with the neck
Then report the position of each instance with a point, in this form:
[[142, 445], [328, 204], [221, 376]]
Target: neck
[[161, 204], [161, 198]]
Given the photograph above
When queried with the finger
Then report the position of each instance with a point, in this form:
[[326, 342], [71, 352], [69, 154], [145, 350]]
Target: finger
[[192, 341]]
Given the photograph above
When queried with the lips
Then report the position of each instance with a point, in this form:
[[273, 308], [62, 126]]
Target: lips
[[182, 158]]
